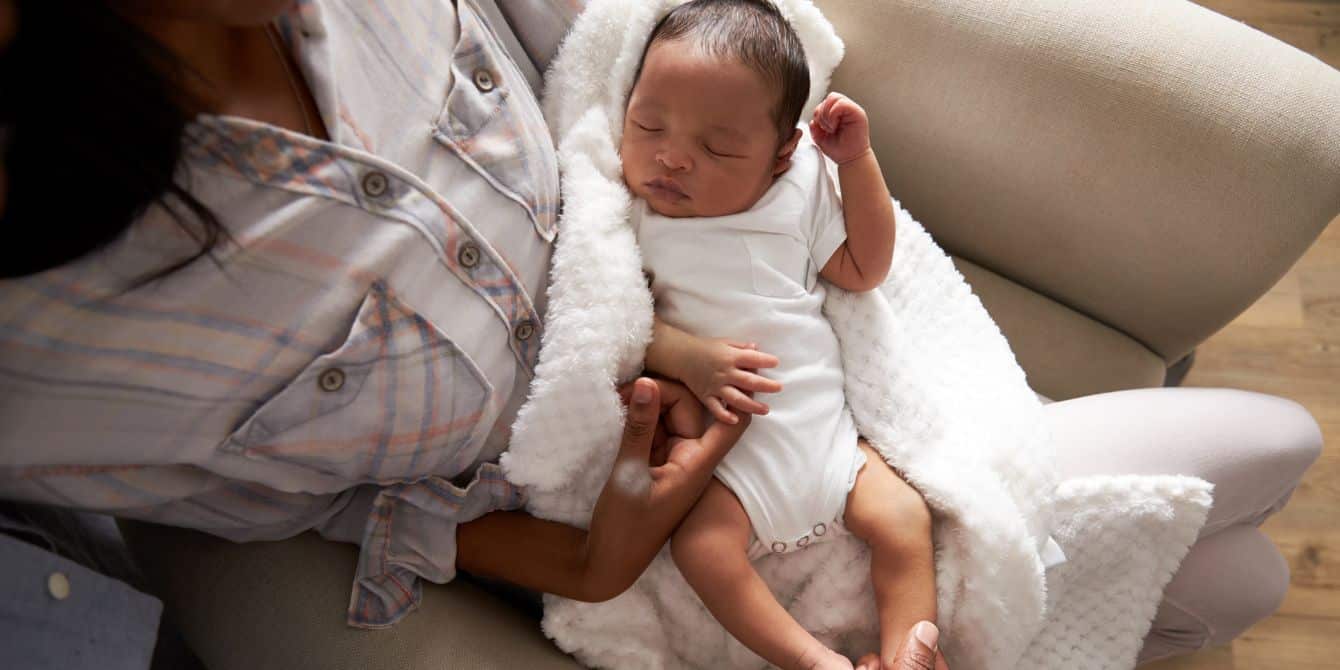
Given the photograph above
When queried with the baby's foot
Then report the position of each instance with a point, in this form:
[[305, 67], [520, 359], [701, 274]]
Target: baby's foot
[[820, 657]]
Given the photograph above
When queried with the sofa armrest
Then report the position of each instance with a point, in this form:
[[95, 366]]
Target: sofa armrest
[[1153, 165], [281, 605]]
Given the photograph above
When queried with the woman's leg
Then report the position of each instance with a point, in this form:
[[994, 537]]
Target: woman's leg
[[711, 550], [1254, 448]]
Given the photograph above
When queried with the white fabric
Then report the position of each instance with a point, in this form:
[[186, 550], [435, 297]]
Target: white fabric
[[931, 383], [752, 276]]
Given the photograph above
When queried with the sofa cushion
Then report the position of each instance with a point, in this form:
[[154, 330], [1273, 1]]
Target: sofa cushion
[[1064, 353]]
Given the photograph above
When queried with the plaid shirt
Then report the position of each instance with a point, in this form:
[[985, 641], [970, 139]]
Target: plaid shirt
[[352, 358]]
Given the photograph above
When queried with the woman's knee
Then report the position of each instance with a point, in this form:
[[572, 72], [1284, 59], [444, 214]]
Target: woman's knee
[[1295, 443], [1300, 438], [1228, 582]]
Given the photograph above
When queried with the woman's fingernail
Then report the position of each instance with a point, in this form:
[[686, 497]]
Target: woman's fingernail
[[641, 393], [927, 633]]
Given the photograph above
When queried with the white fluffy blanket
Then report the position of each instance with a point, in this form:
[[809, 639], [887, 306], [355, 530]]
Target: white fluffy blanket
[[932, 384]]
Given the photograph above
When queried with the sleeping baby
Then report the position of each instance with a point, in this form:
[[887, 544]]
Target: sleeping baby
[[737, 217]]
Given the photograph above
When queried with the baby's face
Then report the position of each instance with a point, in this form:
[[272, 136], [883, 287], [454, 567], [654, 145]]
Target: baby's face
[[698, 135]]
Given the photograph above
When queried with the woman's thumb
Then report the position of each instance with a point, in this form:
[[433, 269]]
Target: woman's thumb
[[640, 423], [919, 650]]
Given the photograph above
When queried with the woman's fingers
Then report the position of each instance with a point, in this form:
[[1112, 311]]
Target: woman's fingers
[[737, 399], [748, 381], [719, 411], [868, 662], [683, 414], [712, 447]]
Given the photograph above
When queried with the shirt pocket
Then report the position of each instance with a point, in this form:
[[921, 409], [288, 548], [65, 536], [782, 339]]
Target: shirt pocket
[[778, 265], [493, 122], [396, 400]]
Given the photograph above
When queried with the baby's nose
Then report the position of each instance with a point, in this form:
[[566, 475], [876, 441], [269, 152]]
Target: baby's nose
[[673, 159]]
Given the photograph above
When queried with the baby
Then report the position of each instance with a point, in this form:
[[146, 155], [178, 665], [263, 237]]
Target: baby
[[737, 217]]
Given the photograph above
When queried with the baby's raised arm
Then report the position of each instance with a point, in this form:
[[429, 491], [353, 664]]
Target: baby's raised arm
[[720, 372], [841, 129]]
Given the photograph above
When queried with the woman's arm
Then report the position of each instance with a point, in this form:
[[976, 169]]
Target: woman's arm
[[661, 469]]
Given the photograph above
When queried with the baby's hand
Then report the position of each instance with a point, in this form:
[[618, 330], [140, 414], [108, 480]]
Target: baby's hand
[[722, 374], [840, 128]]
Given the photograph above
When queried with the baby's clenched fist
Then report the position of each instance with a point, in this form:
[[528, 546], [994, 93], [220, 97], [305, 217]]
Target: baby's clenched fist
[[840, 128]]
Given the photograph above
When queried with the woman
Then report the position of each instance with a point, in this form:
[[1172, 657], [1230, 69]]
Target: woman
[[317, 305]]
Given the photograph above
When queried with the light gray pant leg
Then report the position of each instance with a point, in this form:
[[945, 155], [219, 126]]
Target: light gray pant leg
[[1254, 448]]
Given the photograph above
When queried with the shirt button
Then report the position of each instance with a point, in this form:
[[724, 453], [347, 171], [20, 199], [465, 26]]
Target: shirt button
[[375, 184], [524, 330], [331, 380], [778, 547], [803, 541], [468, 255], [484, 80], [58, 585], [820, 529]]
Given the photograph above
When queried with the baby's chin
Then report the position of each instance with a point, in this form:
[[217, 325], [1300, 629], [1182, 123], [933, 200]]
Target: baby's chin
[[673, 212]]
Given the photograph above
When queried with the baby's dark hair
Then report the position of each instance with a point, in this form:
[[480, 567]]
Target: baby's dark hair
[[752, 32]]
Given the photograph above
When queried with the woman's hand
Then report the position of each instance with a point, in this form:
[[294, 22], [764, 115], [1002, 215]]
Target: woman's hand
[[919, 651], [723, 375], [665, 461]]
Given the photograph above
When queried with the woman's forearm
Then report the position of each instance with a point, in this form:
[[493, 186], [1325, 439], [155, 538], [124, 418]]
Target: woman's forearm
[[529, 552]]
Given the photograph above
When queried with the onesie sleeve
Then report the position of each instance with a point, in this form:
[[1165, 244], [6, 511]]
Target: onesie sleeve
[[829, 228]]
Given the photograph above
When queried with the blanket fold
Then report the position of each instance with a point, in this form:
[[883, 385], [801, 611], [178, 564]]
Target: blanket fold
[[932, 385]]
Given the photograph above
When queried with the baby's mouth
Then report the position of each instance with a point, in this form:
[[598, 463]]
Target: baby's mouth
[[666, 189]]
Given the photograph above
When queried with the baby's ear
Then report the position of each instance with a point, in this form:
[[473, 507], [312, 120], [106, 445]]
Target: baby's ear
[[783, 162]]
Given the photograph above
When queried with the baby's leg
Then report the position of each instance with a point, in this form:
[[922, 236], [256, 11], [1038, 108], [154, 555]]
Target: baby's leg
[[711, 550], [893, 519]]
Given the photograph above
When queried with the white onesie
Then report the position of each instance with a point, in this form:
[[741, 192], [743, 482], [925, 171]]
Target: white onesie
[[753, 277]]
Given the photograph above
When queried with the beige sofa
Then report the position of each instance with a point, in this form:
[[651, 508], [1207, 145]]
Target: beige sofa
[[1117, 180]]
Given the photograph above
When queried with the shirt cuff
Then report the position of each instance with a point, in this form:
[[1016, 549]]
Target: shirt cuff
[[411, 535]]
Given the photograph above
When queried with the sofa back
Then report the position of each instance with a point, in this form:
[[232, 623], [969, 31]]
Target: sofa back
[[1154, 166]]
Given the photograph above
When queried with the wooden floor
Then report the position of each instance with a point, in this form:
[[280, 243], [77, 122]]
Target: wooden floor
[[1288, 344]]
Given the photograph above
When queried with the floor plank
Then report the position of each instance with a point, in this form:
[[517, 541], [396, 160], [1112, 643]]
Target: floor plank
[[1288, 344], [1313, 27]]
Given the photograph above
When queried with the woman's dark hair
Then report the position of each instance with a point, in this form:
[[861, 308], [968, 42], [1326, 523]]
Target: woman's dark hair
[[94, 109], [752, 32]]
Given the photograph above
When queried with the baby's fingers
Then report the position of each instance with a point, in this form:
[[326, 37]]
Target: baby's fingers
[[737, 399], [822, 110], [748, 381], [719, 411], [825, 115], [750, 359]]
